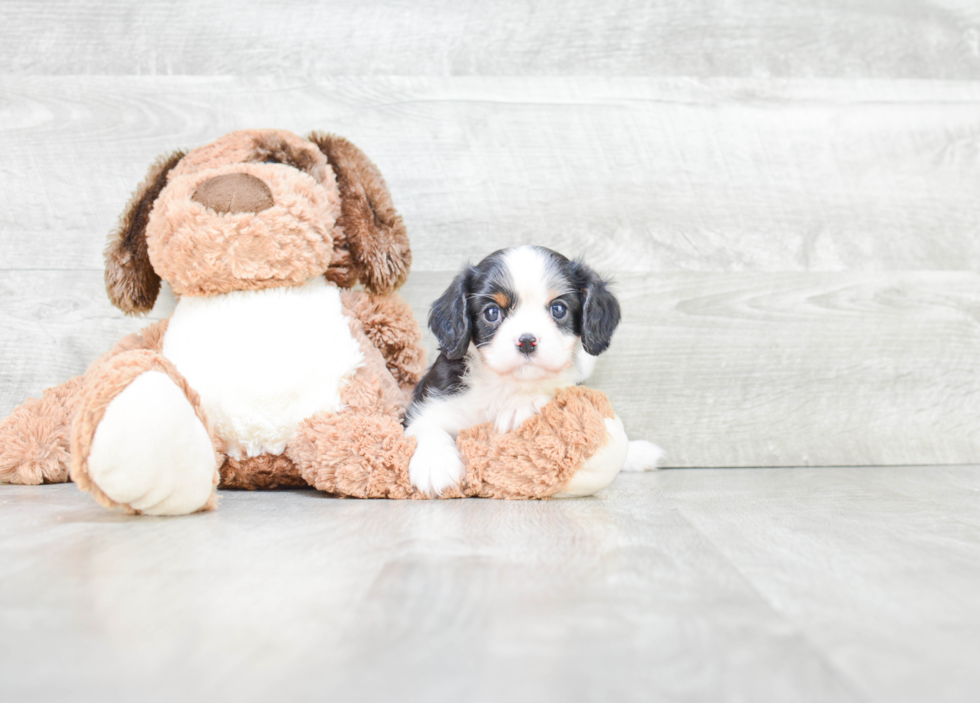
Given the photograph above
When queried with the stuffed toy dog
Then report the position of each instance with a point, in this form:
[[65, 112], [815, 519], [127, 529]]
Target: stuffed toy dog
[[273, 370]]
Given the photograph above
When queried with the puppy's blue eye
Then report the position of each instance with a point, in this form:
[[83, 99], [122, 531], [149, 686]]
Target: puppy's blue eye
[[558, 310], [491, 313]]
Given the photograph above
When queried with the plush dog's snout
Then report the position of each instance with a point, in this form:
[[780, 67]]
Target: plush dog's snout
[[234, 192], [527, 343]]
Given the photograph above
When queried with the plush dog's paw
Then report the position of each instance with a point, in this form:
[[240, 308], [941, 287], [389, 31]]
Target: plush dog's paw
[[151, 451], [435, 465], [643, 456], [599, 470]]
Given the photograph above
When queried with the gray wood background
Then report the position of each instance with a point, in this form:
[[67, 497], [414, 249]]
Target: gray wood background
[[788, 193]]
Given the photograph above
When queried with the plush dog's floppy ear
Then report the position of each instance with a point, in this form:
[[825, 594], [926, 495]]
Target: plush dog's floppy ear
[[449, 318], [130, 280], [376, 236], [600, 310]]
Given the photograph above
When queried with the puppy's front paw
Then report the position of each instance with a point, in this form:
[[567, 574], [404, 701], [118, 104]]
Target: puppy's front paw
[[505, 421], [512, 419], [436, 465]]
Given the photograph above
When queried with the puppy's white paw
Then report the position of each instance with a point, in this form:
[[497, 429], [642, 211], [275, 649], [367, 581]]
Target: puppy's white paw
[[643, 456], [435, 465], [151, 452], [539, 402], [504, 421], [512, 419]]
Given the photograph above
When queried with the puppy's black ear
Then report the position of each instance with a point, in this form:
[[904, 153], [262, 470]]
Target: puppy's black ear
[[600, 310], [449, 318]]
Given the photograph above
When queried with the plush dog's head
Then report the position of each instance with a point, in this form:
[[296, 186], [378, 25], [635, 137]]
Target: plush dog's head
[[525, 309], [257, 209]]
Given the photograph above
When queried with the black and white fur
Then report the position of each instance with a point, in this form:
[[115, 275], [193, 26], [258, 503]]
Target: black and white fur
[[512, 330]]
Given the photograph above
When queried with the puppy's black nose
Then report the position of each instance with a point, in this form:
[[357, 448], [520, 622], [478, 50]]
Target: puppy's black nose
[[526, 343]]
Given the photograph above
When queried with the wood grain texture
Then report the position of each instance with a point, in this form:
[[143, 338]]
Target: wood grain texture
[[908, 39], [800, 370], [640, 174], [853, 558], [716, 585]]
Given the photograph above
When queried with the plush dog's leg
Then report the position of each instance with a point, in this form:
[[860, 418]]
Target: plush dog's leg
[[362, 450], [35, 438], [361, 455], [575, 447], [141, 440]]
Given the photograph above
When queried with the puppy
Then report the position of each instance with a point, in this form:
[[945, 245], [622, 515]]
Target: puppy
[[512, 330]]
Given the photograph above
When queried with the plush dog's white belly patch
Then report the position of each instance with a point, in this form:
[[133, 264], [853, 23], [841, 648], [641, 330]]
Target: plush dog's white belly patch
[[263, 360]]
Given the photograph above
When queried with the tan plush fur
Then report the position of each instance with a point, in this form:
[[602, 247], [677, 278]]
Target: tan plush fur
[[362, 455], [35, 439], [307, 208]]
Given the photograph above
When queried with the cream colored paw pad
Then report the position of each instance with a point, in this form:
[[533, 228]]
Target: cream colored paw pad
[[151, 452]]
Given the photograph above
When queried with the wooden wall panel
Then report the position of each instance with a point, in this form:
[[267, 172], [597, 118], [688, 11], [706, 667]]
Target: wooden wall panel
[[865, 38], [640, 174]]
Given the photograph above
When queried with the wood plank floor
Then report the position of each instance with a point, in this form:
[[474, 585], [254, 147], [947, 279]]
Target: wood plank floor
[[847, 584]]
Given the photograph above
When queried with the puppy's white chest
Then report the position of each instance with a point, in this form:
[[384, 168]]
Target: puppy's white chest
[[264, 360]]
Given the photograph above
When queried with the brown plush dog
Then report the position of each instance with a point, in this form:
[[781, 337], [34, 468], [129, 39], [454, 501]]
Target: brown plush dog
[[272, 371]]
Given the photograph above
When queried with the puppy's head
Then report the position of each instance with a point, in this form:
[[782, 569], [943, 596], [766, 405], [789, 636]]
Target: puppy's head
[[525, 310]]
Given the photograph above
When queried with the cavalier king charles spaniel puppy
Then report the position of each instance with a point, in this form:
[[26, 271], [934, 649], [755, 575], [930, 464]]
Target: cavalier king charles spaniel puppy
[[512, 330]]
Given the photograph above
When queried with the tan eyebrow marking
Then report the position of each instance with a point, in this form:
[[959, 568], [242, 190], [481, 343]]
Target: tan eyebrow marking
[[501, 299]]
